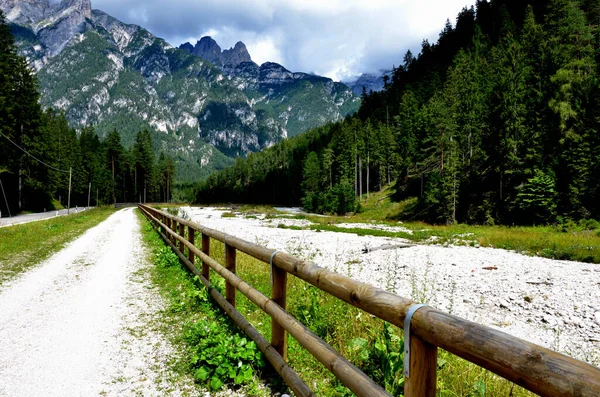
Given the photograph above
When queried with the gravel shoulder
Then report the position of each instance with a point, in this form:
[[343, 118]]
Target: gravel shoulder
[[553, 303], [81, 324]]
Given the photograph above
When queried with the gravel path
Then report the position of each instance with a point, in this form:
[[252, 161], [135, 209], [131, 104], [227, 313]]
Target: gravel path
[[80, 324], [553, 303]]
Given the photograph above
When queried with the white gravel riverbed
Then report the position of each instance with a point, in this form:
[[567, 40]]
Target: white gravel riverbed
[[553, 303], [81, 323]]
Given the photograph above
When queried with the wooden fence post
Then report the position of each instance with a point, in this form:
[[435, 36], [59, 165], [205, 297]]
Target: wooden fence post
[[173, 228], [206, 250], [230, 265], [182, 234], [423, 367], [191, 236], [278, 294]]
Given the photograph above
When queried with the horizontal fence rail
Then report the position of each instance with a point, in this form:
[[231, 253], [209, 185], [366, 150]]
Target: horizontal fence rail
[[533, 367]]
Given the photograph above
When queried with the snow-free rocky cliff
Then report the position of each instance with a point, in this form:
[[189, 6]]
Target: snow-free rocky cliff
[[203, 105]]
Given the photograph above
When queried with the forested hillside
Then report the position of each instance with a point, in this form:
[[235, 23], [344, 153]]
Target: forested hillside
[[497, 122], [202, 106], [38, 148]]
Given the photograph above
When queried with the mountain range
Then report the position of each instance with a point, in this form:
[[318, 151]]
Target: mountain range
[[203, 105], [370, 82]]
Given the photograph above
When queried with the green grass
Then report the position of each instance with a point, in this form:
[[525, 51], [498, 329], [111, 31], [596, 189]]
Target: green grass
[[371, 344], [57, 205], [24, 246], [188, 313], [357, 335]]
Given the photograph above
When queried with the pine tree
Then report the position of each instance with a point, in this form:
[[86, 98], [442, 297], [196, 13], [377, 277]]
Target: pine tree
[[572, 56], [114, 157], [507, 125]]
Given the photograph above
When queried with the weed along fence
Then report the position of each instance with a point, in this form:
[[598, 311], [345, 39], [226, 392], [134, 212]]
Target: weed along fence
[[533, 367]]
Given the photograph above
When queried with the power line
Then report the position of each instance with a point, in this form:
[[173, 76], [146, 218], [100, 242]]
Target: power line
[[31, 155]]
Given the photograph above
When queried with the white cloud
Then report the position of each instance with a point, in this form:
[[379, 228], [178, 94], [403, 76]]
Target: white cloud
[[264, 50], [336, 38]]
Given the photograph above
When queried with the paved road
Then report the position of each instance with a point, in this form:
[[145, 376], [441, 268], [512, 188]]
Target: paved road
[[16, 220]]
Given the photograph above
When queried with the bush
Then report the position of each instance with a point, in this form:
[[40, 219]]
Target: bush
[[589, 224], [222, 355], [339, 199], [537, 199]]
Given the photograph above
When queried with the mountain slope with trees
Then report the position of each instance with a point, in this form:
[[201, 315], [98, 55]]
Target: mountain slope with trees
[[39, 151], [100, 71], [497, 122]]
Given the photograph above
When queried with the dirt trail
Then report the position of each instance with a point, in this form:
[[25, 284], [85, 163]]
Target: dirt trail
[[80, 323]]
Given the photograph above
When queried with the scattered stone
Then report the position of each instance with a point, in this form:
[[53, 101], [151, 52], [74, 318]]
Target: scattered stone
[[527, 290], [539, 283], [549, 320], [366, 250], [503, 304]]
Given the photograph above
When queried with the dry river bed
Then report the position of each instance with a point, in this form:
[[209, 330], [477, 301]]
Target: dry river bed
[[553, 303]]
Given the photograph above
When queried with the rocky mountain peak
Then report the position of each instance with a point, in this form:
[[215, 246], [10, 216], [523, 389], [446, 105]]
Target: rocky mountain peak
[[83, 6], [236, 55], [187, 47], [38, 14], [54, 23], [208, 49], [370, 82]]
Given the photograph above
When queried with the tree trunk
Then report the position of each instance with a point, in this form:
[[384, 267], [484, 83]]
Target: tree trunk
[[442, 163], [356, 175], [470, 148], [20, 189], [113, 175], [501, 198], [454, 200], [360, 175], [368, 170]]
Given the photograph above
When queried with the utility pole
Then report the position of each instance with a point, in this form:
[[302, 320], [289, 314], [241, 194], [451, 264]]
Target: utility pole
[[69, 199], [89, 195], [5, 200]]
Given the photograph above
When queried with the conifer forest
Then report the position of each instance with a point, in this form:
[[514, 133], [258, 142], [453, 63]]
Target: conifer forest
[[39, 151], [495, 123]]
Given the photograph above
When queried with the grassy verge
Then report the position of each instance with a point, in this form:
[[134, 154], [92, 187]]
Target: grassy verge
[[210, 348], [371, 344], [24, 246]]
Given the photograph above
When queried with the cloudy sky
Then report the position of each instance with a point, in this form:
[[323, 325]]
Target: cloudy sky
[[335, 38]]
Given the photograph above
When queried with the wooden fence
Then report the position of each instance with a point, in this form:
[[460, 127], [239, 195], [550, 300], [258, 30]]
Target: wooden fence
[[533, 367]]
